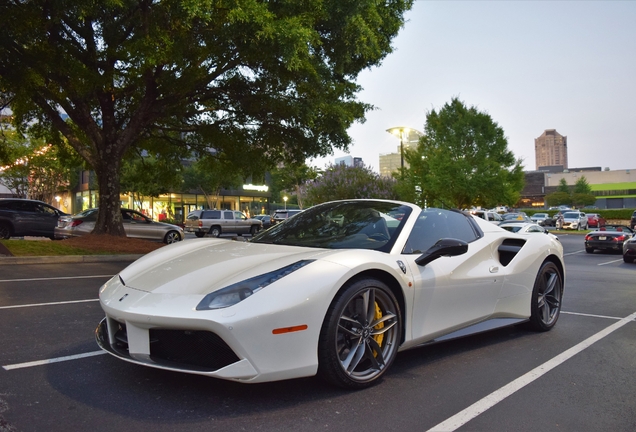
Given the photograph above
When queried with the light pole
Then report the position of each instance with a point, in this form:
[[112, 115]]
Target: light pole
[[285, 199], [403, 133]]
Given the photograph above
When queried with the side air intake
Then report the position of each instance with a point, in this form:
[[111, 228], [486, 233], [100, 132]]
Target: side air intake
[[509, 249]]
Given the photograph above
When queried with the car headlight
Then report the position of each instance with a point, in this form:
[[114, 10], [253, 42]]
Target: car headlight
[[239, 291]]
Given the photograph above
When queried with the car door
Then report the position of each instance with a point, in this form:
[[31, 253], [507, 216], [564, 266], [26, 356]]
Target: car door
[[137, 225], [46, 219], [242, 224], [451, 292], [228, 224]]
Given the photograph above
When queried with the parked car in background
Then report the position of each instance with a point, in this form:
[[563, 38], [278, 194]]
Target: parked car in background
[[629, 250], [526, 228], [574, 220], [632, 223], [517, 216], [267, 220], [609, 237], [136, 225], [488, 215], [595, 220], [540, 218], [282, 215], [217, 222], [23, 217]]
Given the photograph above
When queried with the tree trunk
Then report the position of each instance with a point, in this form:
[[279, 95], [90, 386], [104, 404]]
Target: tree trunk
[[109, 216]]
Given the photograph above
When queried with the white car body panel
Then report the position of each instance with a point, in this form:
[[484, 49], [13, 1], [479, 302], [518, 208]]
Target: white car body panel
[[162, 290]]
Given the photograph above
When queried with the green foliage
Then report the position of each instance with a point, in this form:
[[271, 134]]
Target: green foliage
[[563, 186], [208, 175], [35, 169], [288, 181], [582, 186], [259, 82], [462, 160], [558, 198], [344, 182]]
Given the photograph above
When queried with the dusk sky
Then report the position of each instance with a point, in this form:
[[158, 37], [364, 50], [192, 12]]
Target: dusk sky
[[536, 65]]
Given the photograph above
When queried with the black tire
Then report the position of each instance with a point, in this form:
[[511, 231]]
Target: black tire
[[199, 234], [547, 296], [215, 231], [628, 259], [171, 237], [5, 231], [360, 335], [253, 229], [589, 250]]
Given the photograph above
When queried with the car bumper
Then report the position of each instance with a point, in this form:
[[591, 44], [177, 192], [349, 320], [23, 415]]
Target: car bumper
[[604, 245]]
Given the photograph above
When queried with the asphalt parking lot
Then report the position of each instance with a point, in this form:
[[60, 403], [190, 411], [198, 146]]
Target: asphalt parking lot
[[577, 377]]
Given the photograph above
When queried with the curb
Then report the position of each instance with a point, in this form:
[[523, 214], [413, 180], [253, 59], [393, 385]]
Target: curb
[[66, 259]]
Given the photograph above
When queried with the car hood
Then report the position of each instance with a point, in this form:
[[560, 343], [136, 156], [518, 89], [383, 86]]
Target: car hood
[[202, 266]]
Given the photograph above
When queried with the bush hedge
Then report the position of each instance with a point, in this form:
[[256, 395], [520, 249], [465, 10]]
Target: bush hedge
[[607, 214]]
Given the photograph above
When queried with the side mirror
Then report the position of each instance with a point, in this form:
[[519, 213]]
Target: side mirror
[[444, 247]]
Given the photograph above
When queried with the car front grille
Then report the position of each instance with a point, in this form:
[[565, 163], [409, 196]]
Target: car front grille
[[184, 349]]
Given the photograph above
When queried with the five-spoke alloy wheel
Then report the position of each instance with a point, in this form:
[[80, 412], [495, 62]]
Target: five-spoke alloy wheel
[[547, 296], [360, 336]]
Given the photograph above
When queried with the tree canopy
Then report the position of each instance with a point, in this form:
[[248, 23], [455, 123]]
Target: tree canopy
[[260, 82], [345, 182], [462, 160]]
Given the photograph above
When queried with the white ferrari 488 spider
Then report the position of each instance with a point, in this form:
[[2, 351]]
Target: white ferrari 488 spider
[[337, 290]]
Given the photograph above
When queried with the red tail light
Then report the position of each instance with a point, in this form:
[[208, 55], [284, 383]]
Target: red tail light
[[200, 224], [588, 237], [75, 223], [619, 238]]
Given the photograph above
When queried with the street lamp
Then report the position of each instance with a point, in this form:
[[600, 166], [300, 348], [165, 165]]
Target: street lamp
[[403, 133], [285, 199]]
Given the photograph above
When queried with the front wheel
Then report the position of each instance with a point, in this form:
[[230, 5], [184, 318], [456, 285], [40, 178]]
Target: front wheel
[[171, 237], [253, 229], [628, 259], [547, 295], [360, 336]]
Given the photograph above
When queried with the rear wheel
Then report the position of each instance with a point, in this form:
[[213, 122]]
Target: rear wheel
[[546, 298], [5, 231], [360, 336], [215, 231], [171, 237], [589, 250], [628, 259], [199, 234]]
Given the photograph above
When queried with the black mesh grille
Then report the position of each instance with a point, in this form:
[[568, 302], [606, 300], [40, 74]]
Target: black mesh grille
[[194, 348]]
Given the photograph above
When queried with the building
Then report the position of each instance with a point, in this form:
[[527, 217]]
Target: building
[[391, 163], [349, 161], [612, 189], [551, 149]]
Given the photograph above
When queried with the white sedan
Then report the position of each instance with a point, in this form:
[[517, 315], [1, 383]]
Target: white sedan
[[337, 291]]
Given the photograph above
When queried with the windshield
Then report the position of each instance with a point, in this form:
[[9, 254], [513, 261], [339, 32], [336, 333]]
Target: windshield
[[341, 225], [570, 215]]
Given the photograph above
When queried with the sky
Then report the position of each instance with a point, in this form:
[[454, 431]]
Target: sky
[[531, 65]]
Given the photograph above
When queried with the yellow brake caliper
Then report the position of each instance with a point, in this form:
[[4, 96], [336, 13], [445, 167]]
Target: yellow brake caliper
[[379, 337]]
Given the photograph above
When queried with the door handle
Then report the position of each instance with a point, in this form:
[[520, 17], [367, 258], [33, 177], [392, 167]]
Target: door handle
[[493, 269]]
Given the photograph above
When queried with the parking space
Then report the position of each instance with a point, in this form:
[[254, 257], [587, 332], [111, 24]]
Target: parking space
[[579, 376]]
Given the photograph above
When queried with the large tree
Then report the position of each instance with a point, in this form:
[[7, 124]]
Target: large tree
[[462, 160], [259, 81]]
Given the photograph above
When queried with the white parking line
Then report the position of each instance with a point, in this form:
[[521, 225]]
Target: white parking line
[[610, 262], [47, 304], [481, 406], [55, 278], [591, 315], [572, 253], [53, 360]]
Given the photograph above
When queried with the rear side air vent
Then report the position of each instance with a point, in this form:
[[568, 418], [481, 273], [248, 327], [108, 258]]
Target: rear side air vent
[[509, 249]]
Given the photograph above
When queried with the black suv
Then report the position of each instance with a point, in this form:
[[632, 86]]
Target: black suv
[[23, 217], [632, 223]]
